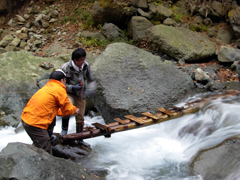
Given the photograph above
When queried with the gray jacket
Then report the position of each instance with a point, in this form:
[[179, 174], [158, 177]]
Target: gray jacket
[[74, 77]]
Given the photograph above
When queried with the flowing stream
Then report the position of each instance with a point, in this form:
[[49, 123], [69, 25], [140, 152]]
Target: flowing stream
[[156, 152]]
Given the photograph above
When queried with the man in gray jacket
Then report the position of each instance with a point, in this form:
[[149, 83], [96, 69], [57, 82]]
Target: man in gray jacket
[[80, 85]]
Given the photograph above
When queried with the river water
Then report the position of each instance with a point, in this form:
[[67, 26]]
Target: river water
[[156, 152]]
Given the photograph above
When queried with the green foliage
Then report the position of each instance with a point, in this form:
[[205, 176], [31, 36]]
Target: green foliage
[[68, 19], [80, 15], [157, 19], [127, 8], [198, 27], [103, 43], [89, 23], [90, 42], [177, 17]]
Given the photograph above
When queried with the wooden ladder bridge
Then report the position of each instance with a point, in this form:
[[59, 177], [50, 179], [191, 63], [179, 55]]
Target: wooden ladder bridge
[[148, 118]]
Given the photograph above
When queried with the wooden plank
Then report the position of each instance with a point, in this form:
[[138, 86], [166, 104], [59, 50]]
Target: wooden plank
[[148, 114], [120, 120], [101, 126], [165, 111], [135, 119]]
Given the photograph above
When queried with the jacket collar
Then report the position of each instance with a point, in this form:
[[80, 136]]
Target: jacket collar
[[53, 81], [75, 66]]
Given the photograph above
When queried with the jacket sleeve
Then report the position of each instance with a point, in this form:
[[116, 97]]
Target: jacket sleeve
[[66, 107], [91, 84], [64, 68]]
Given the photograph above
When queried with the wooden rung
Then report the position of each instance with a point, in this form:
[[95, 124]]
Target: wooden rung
[[120, 120], [101, 126], [135, 119], [148, 114], [165, 111]]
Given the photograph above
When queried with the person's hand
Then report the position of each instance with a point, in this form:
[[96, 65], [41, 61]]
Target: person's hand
[[77, 111], [77, 87]]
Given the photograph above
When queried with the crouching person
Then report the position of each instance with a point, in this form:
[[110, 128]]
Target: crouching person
[[48, 102]]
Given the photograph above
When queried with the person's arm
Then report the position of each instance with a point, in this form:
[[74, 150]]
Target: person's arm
[[91, 84], [69, 87], [66, 107]]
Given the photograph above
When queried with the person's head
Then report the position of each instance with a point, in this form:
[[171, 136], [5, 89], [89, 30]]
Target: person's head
[[58, 75], [79, 56]]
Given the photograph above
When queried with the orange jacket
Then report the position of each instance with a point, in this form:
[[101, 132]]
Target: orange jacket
[[46, 103]]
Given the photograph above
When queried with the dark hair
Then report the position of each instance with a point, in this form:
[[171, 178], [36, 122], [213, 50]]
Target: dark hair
[[57, 75], [80, 52]]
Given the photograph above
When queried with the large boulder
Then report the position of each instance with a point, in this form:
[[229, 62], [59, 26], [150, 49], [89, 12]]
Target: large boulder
[[180, 43], [220, 162], [132, 81], [18, 73], [23, 161], [108, 12]]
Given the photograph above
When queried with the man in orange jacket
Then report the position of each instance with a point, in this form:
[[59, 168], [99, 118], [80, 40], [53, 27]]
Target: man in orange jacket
[[48, 102]]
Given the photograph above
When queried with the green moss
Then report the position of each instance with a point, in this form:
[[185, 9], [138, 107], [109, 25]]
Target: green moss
[[106, 3], [177, 17], [198, 27]]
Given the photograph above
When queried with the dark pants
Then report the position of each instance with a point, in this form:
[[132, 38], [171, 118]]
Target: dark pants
[[39, 137], [80, 118]]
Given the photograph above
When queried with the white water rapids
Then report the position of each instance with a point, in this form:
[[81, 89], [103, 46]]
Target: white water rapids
[[156, 152]]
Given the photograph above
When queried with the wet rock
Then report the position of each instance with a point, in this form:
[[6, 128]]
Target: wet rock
[[23, 161], [220, 162], [228, 54], [74, 150]]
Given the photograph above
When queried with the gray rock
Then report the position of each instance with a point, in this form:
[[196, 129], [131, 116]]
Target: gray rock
[[56, 48], [6, 40], [220, 162], [228, 54], [23, 161], [180, 43], [144, 14], [111, 32], [153, 8], [92, 35], [137, 27], [16, 41], [219, 8], [2, 50], [207, 22], [139, 3], [20, 18], [11, 48], [169, 22], [164, 12], [201, 76], [234, 18], [224, 36], [198, 19], [132, 81], [211, 32], [214, 85]]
